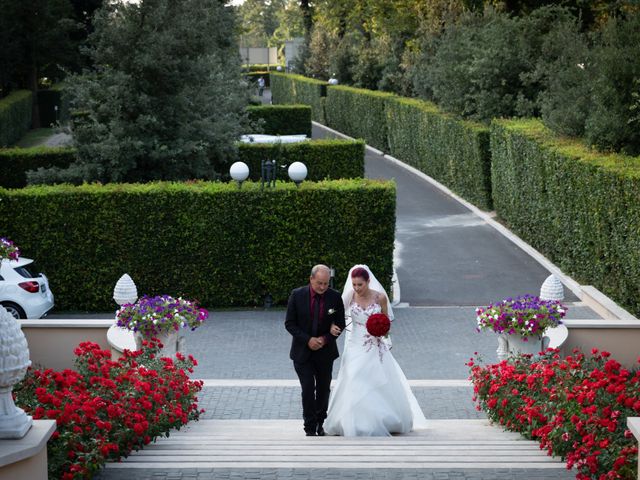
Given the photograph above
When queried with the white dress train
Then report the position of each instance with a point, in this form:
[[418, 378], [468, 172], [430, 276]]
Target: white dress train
[[371, 396]]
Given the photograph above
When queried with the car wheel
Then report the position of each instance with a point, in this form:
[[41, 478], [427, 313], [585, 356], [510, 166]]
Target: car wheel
[[14, 310]]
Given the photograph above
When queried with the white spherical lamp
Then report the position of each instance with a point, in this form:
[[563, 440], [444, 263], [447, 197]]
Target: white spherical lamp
[[297, 172], [239, 171], [333, 81]]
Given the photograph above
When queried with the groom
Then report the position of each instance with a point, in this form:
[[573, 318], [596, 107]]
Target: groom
[[315, 317]]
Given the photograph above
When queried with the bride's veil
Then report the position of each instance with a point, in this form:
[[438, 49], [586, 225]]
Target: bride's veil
[[374, 284]]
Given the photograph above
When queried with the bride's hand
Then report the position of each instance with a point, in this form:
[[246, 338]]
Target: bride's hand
[[335, 330]]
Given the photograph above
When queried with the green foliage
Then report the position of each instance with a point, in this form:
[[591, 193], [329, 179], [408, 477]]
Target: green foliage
[[212, 242], [455, 153], [164, 101], [578, 207], [359, 113], [282, 119], [16, 162], [36, 39], [15, 116], [616, 68], [324, 159], [288, 88]]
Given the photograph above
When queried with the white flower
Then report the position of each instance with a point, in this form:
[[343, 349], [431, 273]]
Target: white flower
[[332, 311]]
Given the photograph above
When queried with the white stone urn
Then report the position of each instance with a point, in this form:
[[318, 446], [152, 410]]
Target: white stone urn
[[516, 344], [14, 362], [172, 343]]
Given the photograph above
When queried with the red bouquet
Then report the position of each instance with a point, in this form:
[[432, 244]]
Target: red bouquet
[[378, 325]]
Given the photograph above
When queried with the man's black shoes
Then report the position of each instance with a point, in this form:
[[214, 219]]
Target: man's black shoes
[[320, 431]]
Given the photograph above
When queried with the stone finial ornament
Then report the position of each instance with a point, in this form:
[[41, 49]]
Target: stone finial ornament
[[552, 289], [125, 290], [14, 362]]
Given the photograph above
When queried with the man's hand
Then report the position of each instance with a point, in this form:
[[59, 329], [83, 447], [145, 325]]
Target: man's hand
[[335, 330], [316, 343]]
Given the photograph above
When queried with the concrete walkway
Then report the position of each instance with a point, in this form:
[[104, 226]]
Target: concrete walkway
[[449, 260]]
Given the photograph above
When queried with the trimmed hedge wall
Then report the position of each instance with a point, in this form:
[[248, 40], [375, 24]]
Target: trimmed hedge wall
[[15, 116], [324, 159], [209, 241], [288, 88], [578, 207], [359, 113], [283, 119], [454, 152], [15, 162]]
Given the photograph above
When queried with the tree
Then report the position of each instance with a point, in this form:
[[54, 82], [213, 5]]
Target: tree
[[164, 101], [35, 37]]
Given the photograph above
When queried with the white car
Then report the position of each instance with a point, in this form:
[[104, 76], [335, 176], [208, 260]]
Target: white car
[[22, 293]]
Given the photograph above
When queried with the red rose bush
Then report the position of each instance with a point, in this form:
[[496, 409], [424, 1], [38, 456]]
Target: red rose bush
[[105, 409], [576, 407]]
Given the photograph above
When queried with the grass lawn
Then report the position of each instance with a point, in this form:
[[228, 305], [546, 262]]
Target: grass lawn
[[35, 137]]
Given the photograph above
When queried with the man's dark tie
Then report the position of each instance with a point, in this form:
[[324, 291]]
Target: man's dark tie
[[316, 316]]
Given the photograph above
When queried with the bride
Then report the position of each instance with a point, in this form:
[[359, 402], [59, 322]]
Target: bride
[[371, 396]]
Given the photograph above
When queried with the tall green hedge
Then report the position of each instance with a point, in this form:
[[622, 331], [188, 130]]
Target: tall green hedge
[[283, 119], [359, 113], [288, 88], [324, 159], [454, 152], [15, 116], [578, 207], [15, 162], [210, 241]]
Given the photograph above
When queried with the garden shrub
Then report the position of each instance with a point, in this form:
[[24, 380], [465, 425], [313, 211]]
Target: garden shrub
[[453, 152], [359, 113], [576, 407], [212, 242], [324, 159], [105, 409], [282, 119], [288, 88], [15, 116], [16, 162], [578, 207]]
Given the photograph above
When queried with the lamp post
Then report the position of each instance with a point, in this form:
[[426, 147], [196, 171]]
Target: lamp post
[[297, 172], [239, 171]]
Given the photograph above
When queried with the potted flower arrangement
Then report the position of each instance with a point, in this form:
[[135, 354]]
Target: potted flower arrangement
[[162, 317], [8, 250], [521, 321]]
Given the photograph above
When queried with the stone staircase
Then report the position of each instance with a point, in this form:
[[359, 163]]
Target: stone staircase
[[256, 444]]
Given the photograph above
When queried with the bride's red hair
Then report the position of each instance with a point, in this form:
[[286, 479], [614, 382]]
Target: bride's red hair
[[360, 273]]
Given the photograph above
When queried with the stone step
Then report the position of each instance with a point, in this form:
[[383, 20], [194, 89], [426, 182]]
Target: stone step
[[451, 444]]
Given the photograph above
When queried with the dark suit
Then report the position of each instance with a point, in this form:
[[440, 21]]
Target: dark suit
[[314, 368]]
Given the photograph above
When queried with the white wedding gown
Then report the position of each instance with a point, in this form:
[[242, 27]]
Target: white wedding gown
[[371, 396]]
